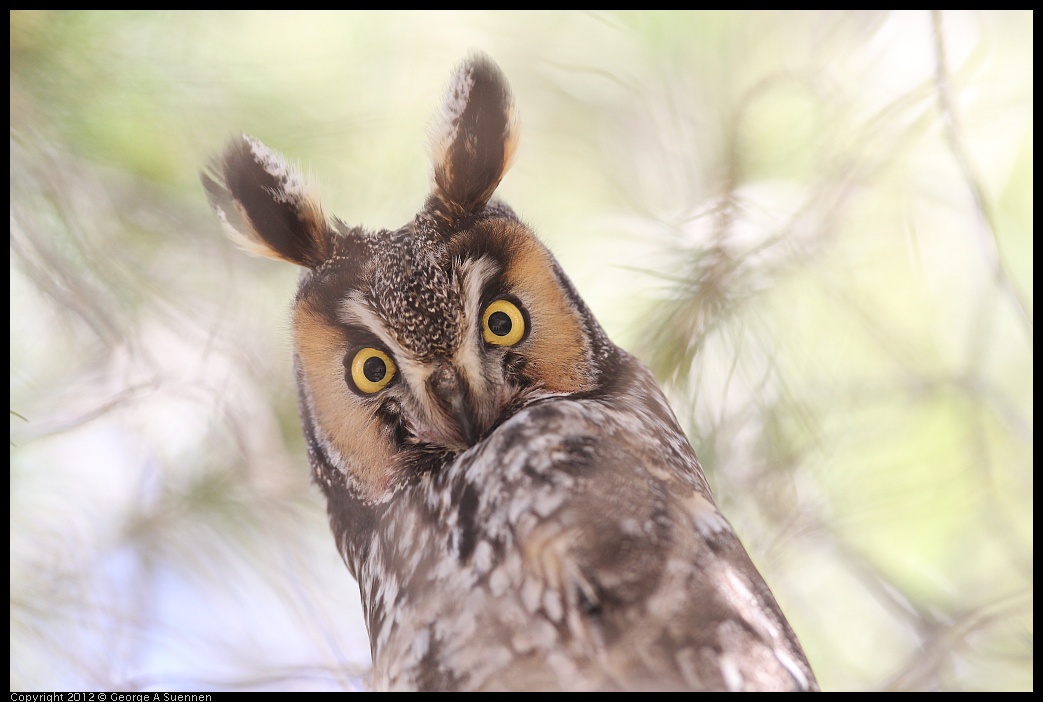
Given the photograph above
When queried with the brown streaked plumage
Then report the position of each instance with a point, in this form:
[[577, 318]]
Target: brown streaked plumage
[[510, 489]]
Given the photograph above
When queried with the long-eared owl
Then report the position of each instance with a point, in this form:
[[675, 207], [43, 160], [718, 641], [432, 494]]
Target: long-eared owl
[[511, 491]]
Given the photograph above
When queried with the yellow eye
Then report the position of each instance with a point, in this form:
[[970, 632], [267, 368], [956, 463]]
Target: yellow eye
[[372, 370], [503, 324]]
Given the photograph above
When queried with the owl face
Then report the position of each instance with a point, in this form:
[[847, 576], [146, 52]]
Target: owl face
[[431, 342], [415, 343]]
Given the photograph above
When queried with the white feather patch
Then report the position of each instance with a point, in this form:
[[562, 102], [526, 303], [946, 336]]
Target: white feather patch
[[292, 186]]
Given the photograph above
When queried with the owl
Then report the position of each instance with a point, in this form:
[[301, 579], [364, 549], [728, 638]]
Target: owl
[[511, 490]]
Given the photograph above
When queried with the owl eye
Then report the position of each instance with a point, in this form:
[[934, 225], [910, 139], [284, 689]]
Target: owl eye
[[371, 370], [503, 323]]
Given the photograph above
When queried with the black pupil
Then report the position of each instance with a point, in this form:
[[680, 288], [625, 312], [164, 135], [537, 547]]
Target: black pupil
[[500, 323], [374, 369]]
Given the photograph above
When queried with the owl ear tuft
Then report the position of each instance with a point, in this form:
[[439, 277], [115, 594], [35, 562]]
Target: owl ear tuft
[[264, 206], [473, 139]]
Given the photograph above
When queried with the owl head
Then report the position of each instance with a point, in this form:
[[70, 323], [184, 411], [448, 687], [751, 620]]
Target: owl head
[[414, 343]]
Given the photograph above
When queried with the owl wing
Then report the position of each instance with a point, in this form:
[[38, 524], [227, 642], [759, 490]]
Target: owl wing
[[625, 554], [663, 590]]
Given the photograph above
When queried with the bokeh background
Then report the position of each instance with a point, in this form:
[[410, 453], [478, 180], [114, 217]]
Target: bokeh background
[[816, 228]]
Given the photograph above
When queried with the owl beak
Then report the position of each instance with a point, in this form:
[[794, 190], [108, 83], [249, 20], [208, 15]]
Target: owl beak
[[459, 413], [450, 390]]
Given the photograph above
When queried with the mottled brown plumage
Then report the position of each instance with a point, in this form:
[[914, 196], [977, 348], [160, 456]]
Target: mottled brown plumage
[[511, 490]]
